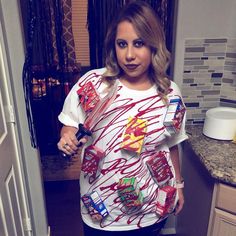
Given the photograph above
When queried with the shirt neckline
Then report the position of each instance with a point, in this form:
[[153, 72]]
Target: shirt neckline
[[151, 89]]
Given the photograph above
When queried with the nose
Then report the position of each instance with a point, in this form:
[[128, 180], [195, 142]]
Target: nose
[[130, 53]]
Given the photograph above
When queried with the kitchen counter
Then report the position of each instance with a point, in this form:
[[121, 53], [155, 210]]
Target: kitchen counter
[[219, 157]]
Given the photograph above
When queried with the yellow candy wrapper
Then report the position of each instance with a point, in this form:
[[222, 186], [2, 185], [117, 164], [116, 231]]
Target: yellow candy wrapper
[[134, 134]]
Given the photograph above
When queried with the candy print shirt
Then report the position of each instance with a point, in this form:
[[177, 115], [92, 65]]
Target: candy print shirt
[[121, 163]]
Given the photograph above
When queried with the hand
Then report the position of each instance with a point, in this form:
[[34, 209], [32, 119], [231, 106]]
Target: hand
[[180, 203], [68, 142]]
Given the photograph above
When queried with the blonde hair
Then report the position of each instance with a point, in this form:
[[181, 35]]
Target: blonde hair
[[149, 29]]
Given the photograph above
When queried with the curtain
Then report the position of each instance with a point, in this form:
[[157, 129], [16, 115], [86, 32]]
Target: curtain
[[50, 67], [100, 14]]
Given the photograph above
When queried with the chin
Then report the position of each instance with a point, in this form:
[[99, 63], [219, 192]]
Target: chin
[[132, 74]]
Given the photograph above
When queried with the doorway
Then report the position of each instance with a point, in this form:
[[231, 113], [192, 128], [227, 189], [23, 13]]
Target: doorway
[[49, 85], [63, 208]]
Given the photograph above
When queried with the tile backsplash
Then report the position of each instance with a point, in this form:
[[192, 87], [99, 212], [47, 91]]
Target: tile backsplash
[[209, 76]]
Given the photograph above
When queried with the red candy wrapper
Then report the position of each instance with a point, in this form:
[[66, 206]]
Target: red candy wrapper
[[95, 206], [92, 160], [88, 96], [165, 200], [159, 168], [174, 115]]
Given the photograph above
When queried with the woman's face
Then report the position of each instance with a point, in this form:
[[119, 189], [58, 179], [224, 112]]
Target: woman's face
[[133, 56]]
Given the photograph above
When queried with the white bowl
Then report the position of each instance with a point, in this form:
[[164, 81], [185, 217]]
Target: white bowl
[[220, 123]]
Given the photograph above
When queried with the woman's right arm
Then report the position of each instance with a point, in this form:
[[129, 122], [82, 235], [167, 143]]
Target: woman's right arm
[[68, 142], [72, 114]]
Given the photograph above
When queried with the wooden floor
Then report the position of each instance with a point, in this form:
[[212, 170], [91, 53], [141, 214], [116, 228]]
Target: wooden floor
[[63, 209]]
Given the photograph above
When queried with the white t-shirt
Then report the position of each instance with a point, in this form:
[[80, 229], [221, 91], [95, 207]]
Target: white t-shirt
[[119, 163]]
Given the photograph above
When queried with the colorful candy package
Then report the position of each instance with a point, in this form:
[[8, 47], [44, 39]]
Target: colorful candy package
[[92, 160], [129, 192], [159, 168], [165, 200], [95, 206], [134, 134], [88, 96], [174, 115]]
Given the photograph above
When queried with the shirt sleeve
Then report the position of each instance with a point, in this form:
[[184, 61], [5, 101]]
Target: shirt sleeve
[[72, 114], [179, 137]]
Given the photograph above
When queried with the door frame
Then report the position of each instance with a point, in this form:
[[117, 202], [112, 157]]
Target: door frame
[[30, 159]]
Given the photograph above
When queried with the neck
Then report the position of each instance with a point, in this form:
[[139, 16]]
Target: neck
[[143, 84]]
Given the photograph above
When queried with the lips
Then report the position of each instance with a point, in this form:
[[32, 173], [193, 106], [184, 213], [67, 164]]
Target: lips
[[131, 66]]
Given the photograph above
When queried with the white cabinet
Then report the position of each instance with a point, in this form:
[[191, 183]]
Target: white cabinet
[[223, 214], [224, 223]]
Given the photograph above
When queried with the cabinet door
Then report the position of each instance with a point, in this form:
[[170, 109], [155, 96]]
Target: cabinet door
[[224, 223], [226, 198]]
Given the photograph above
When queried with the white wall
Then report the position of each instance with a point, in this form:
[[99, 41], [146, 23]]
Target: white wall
[[202, 19]]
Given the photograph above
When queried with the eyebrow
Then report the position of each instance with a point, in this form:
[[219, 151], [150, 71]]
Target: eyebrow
[[137, 39]]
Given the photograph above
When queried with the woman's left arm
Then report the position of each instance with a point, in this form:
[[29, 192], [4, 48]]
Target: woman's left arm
[[174, 153]]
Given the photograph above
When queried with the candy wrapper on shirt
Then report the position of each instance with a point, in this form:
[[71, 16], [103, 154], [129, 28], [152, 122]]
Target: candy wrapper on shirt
[[165, 200], [159, 168], [174, 115], [134, 135], [88, 96], [129, 192], [93, 157], [95, 206]]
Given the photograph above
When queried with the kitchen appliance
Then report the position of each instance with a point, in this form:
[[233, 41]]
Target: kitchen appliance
[[220, 123]]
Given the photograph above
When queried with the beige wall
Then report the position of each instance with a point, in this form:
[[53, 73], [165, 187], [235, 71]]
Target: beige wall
[[80, 32]]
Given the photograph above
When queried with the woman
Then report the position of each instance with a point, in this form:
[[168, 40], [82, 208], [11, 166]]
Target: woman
[[130, 179]]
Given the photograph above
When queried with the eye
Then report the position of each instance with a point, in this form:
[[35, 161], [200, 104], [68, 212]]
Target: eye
[[139, 43], [121, 43]]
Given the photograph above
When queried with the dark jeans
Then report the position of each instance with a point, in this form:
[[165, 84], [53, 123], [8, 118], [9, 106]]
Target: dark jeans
[[152, 230]]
